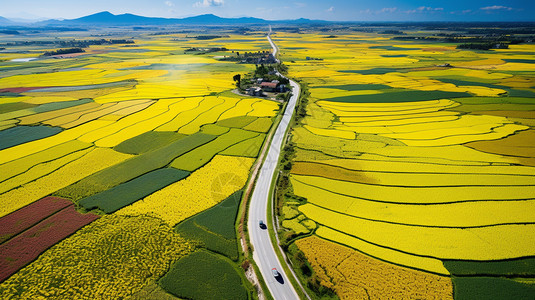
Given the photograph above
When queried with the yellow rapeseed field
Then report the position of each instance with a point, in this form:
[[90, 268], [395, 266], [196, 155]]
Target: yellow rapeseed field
[[95, 160], [111, 258], [353, 275], [203, 189]]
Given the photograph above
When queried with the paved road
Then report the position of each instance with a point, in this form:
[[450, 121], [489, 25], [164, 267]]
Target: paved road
[[264, 253]]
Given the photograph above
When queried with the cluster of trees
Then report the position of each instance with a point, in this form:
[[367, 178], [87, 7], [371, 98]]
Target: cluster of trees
[[64, 51], [206, 50], [208, 37], [483, 46]]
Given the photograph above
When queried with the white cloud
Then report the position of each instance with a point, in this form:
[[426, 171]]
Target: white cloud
[[300, 4], [423, 9], [330, 9], [169, 3], [209, 3], [427, 8], [496, 7], [388, 10]]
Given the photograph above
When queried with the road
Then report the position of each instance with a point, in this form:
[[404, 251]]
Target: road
[[264, 253]]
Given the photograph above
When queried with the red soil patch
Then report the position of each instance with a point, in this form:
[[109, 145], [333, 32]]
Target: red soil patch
[[24, 218], [27, 246]]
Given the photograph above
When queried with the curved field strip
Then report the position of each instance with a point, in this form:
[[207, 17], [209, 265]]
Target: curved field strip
[[27, 246], [236, 122], [22, 134], [70, 173], [451, 215], [204, 188], [141, 126], [454, 154], [349, 135], [403, 121], [464, 121], [129, 192], [22, 165], [260, 125], [37, 146], [76, 119], [24, 218], [354, 275], [409, 178], [40, 170], [156, 109], [458, 136], [58, 121], [373, 165], [449, 154], [8, 124], [386, 118], [52, 106], [121, 254], [364, 113], [45, 116], [75, 78], [192, 107], [148, 141], [326, 93], [480, 243], [419, 195], [135, 108], [133, 167], [264, 108], [248, 148], [386, 107], [209, 116], [243, 108], [428, 264], [201, 155]]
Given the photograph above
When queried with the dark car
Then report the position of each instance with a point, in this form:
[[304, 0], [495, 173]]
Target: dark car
[[262, 224]]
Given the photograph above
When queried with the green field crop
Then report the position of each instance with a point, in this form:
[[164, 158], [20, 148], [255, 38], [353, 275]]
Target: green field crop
[[513, 267], [198, 157], [214, 129], [237, 122], [402, 96], [23, 134], [148, 141], [133, 167], [247, 148], [491, 288], [260, 125], [203, 275], [357, 87], [214, 228], [14, 106], [129, 192]]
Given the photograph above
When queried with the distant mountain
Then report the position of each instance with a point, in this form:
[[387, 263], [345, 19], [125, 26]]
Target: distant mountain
[[107, 18], [5, 21]]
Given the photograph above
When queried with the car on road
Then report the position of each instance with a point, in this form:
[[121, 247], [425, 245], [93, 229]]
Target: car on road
[[275, 273], [262, 224]]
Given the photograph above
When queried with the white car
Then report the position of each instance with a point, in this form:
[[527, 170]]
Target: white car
[[275, 273]]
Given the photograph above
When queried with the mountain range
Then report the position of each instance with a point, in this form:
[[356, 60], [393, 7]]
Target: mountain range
[[106, 18]]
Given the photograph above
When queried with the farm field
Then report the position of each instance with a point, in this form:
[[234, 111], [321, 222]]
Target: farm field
[[414, 161], [113, 163]]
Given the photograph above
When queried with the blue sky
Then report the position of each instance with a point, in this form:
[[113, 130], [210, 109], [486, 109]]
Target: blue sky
[[341, 10]]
